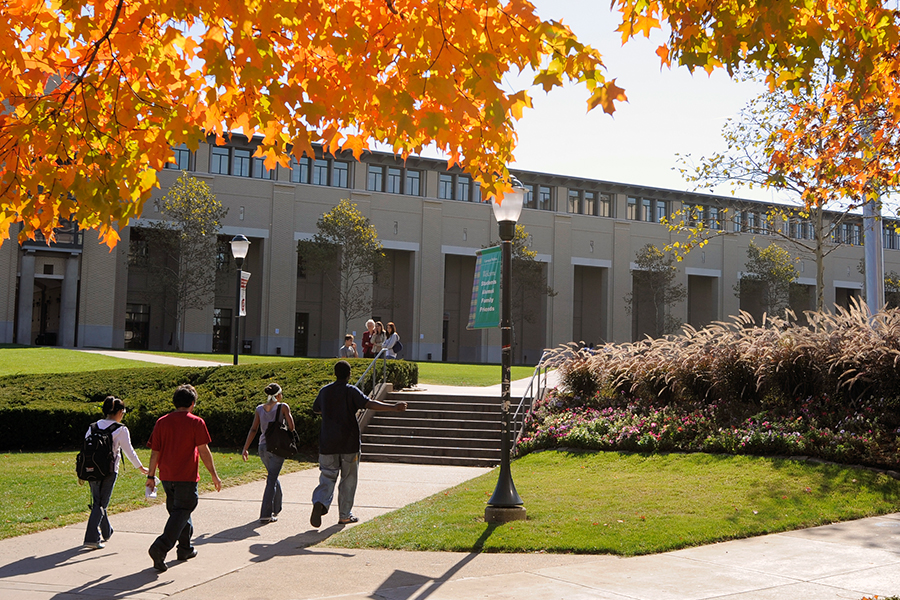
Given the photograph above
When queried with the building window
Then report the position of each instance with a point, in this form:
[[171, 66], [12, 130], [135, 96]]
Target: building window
[[340, 174], [240, 163], [259, 169], [647, 210], [737, 221], [320, 172], [220, 161], [182, 157], [138, 249], [223, 255], [300, 170], [445, 186], [662, 211], [375, 180], [545, 198], [713, 218], [890, 236], [463, 188], [529, 200], [413, 183], [574, 204], [589, 203], [458, 187], [394, 181], [631, 208], [301, 267], [604, 205]]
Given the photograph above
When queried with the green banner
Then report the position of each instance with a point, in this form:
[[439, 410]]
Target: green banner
[[484, 312]]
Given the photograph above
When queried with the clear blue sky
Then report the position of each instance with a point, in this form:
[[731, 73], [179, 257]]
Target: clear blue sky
[[668, 112]]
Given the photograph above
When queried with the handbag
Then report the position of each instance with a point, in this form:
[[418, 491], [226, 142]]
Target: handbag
[[280, 440]]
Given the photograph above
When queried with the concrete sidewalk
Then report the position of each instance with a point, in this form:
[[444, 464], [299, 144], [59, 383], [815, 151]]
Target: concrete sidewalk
[[156, 358], [240, 558]]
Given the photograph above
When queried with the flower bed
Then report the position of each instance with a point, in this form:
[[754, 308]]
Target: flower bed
[[826, 392]]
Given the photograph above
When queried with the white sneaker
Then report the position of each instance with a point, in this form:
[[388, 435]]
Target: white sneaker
[[93, 545]]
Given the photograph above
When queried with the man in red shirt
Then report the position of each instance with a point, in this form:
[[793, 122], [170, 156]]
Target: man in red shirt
[[178, 440]]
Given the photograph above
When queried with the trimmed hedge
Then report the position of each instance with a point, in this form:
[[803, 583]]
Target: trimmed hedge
[[52, 412]]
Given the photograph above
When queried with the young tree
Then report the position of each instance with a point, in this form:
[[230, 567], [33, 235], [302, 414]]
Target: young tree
[[789, 41], [769, 272], [654, 287], [184, 245], [753, 139], [95, 94], [346, 242]]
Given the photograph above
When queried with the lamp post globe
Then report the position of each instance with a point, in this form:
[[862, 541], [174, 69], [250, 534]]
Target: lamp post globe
[[505, 503], [240, 245]]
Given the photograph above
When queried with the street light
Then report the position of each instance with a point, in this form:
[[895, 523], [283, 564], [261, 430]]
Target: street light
[[505, 504], [240, 245]]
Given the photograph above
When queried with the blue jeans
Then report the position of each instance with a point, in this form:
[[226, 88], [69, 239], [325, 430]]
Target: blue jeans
[[181, 500], [329, 467], [98, 524], [271, 502]]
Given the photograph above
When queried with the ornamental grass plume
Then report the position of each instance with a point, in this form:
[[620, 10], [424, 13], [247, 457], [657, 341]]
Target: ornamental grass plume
[[826, 386]]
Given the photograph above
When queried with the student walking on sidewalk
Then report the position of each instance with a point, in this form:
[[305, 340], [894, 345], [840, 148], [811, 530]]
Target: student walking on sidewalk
[[265, 415], [98, 527], [339, 443], [178, 440]]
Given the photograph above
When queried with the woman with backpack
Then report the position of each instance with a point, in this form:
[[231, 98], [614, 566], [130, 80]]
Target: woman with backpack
[[264, 415], [99, 529]]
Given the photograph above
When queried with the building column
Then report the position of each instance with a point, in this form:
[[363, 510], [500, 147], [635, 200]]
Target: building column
[[69, 303], [26, 299]]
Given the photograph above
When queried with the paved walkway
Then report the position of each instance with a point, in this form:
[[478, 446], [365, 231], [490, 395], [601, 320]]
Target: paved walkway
[[241, 559], [157, 358]]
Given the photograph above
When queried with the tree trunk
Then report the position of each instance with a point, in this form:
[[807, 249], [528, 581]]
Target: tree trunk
[[820, 261]]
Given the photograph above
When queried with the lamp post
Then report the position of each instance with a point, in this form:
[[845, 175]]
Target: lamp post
[[240, 245], [505, 503]]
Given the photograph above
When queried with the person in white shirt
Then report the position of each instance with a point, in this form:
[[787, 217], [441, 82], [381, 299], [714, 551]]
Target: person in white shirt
[[99, 529]]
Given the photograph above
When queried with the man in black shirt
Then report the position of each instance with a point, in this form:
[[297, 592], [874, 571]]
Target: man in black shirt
[[338, 403]]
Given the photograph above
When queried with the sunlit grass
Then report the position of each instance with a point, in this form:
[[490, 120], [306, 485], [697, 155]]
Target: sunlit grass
[[31, 360], [630, 504], [40, 490], [466, 375]]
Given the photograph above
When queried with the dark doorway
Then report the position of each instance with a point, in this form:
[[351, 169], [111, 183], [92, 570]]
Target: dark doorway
[[301, 335], [137, 326], [222, 330]]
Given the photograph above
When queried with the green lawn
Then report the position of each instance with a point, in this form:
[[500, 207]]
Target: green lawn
[[473, 375], [40, 490], [630, 504], [28, 360]]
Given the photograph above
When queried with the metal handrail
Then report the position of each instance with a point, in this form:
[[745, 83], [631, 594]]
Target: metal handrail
[[373, 366], [517, 421]]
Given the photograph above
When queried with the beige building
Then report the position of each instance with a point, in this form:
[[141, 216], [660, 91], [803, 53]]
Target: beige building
[[431, 222]]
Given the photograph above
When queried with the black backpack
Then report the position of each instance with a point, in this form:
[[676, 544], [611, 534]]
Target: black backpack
[[280, 440], [96, 460]]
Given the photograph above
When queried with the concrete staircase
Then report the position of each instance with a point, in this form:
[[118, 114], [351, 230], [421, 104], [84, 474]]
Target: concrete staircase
[[435, 429]]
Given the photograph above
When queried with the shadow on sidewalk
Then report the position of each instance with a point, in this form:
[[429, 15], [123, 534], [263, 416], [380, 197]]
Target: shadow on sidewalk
[[297, 545], [38, 564], [402, 585], [122, 587], [241, 532]]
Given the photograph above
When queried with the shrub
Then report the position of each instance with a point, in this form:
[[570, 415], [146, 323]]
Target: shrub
[[830, 389], [46, 412]]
